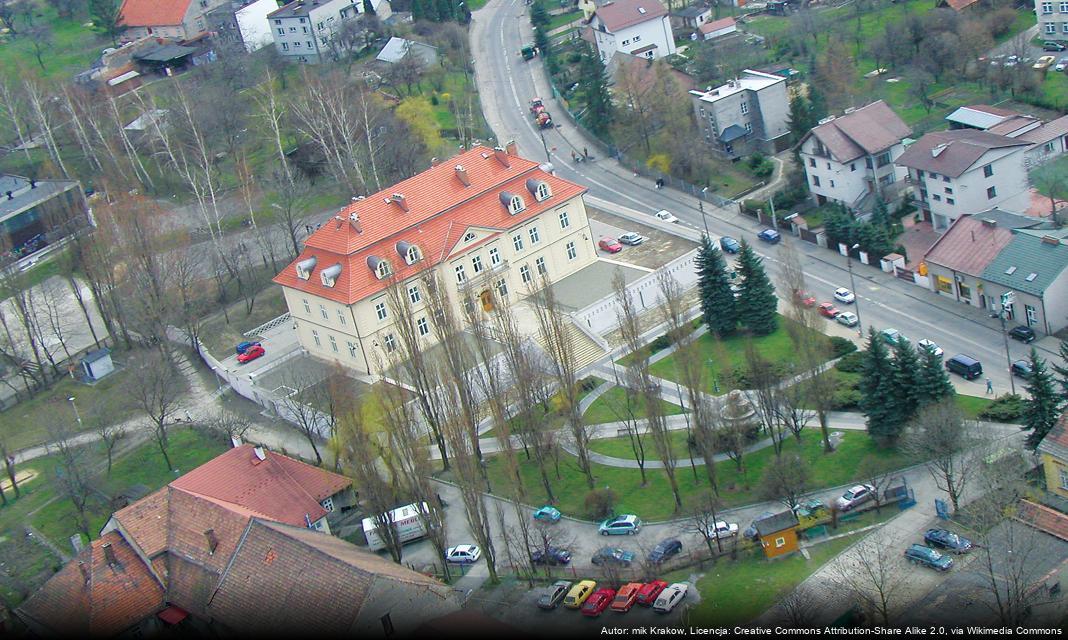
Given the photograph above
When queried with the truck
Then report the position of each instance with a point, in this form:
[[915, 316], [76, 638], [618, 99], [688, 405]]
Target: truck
[[543, 119], [406, 519], [528, 52]]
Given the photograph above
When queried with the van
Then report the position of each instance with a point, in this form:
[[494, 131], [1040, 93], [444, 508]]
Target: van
[[409, 523], [966, 366]]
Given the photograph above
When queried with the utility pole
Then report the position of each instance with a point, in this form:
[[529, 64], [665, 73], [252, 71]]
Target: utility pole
[[853, 288], [1007, 299]]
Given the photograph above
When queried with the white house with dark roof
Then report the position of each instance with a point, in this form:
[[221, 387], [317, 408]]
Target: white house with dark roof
[[638, 27], [748, 114], [965, 171], [849, 159], [1048, 139]]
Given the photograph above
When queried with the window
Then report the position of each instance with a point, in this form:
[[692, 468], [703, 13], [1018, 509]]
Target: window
[[543, 191], [383, 270], [937, 198], [524, 274], [919, 174], [292, 29], [296, 45], [748, 127], [469, 236], [815, 181], [390, 342], [828, 166], [352, 349], [517, 241], [281, 31], [285, 47], [309, 43], [302, 20], [1064, 27], [832, 184], [625, 42], [539, 264], [1049, 145], [495, 256], [278, 22], [315, 336], [923, 194], [515, 205], [413, 255], [1032, 315], [852, 166], [304, 30], [637, 38], [949, 191], [380, 310], [461, 275], [341, 317], [988, 171], [333, 344], [572, 253], [945, 178], [867, 163], [950, 201], [1047, 8], [307, 307], [322, 312], [387, 625], [1064, 478], [945, 285], [1064, 7], [319, 26], [535, 237], [476, 263], [502, 289], [992, 192], [565, 222], [424, 328], [414, 295], [780, 542], [812, 162], [745, 107]]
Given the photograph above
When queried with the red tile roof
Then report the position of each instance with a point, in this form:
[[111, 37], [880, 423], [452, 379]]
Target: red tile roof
[[440, 210], [152, 13], [621, 14], [969, 245], [716, 25], [960, 5], [1044, 519]]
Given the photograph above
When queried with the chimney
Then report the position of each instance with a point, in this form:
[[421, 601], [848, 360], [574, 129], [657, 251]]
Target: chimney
[[354, 220], [1051, 240], [973, 235], [938, 149], [235, 441], [340, 221], [400, 201], [461, 173], [434, 162], [990, 223], [109, 554], [259, 453], [85, 571], [213, 542], [502, 157], [512, 148]]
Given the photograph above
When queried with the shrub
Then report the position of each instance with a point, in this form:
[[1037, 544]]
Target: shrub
[[600, 503], [1006, 408], [851, 362], [661, 343], [574, 58], [751, 206], [434, 100], [841, 346], [845, 399], [588, 384]]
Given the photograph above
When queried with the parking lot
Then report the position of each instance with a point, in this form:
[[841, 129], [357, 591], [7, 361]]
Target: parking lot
[[659, 248]]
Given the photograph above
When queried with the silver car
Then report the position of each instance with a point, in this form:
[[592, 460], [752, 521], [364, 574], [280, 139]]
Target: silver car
[[631, 238], [856, 496], [1062, 64]]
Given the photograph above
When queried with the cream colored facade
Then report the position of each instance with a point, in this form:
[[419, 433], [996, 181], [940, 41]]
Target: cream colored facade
[[356, 336]]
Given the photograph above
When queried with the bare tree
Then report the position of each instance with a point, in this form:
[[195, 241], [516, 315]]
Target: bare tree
[[100, 417], [626, 410], [785, 479], [74, 478], [729, 436], [765, 383], [156, 388], [9, 468], [873, 573], [324, 114], [704, 519], [941, 435], [799, 607], [302, 402], [229, 425]]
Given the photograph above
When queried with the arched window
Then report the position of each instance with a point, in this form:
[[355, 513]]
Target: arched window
[[543, 191], [413, 255], [515, 205], [383, 270]]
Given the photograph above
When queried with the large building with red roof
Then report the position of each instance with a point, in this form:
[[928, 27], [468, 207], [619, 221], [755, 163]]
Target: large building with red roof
[[489, 224], [174, 19]]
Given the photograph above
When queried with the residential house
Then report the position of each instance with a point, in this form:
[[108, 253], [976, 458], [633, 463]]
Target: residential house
[[957, 260], [717, 28], [849, 159], [690, 17], [958, 5], [173, 19], [488, 223], [964, 171], [1052, 19], [226, 549], [1048, 139], [1033, 267], [1053, 451], [777, 534], [303, 29], [645, 71], [38, 213], [638, 27], [747, 115], [242, 23], [397, 48]]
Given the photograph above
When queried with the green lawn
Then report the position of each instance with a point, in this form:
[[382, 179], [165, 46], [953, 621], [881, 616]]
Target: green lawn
[[971, 406], [654, 501], [557, 21], [73, 46], [612, 407], [621, 447], [551, 414]]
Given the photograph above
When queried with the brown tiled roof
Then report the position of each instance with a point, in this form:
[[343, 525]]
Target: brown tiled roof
[[871, 129], [1048, 131], [960, 5], [110, 601], [969, 245], [716, 25], [1012, 124], [963, 148], [1056, 441], [621, 14], [997, 111], [1044, 519], [152, 13], [146, 522]]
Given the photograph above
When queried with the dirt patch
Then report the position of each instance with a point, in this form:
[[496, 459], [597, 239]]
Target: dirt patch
[[24, 567], [659, 249]]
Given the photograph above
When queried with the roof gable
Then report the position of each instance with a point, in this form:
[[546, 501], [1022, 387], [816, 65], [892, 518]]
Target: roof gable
[[152, 13], [970, 244], [869, 130], [716, 25], [953, 152], [620, 14]]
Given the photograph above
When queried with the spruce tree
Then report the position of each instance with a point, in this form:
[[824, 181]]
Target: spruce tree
[[756, 306], [717, 299], [421, 10], [1062, 371], [800, 120], [877, 390], [593, 87], [880, 216], [444, 10], [1042, 409], [933, 383], [906, 392]]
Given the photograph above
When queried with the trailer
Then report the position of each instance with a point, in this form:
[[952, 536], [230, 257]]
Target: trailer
[[543, 119], [407, 520]]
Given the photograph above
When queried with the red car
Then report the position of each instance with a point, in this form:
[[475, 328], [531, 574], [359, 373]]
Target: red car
[[626, 597], [650, 591], [805, 298], [828, 310], [610, 245], [251, 354], [598, 602]]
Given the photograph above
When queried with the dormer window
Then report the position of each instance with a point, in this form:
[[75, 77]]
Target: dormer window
[[539, 189], [329, 275], [380, 267], [305, 268], [514, 203], [469, 236], [409, 252]]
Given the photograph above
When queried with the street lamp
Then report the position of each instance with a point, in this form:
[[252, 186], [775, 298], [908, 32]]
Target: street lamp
[[853, 287], [1007, 299], [77, 416], [701, 206]]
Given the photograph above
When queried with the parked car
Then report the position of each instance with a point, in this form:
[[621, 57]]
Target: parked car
[[598, 602], [919, 554], [1022, 369], [1022, 333], [771, 236], [845, 296], [855, 497], [671, 596], [650, 591], [729, 244], [251, 354], [892, 336], [613, 555], [966, 366], [1052, 45], [633, 239], [848, 318], [750, 532], [554, 595], [245, 346], [723, 530], [578, 594], [804, 298], [555, 556], [463, 554], [548, 513], [828, 310], [1062, 64], [1011, 61], [665, 549], [665, 216], [610, 245], [945, 539], [1043, 63], [626, 597], [619, 525], [931, 346]]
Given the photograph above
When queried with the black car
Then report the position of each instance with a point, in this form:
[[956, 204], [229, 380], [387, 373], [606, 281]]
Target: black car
[[1022, 333], [612, 555], [665, 549], [1050, 45], [1022, 369], [555, 556], [751, 533], [947, 540]]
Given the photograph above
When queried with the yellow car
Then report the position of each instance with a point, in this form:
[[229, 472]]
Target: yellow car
[[1045, 62], [579, 593]]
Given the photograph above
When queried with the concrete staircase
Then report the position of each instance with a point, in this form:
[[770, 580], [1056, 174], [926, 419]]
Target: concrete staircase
[[586, 350]]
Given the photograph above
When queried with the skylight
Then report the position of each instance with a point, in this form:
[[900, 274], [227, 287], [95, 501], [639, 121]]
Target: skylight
[[1010, 271], [1031, 277]]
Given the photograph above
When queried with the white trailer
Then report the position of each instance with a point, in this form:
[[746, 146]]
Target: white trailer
[[406, 519]]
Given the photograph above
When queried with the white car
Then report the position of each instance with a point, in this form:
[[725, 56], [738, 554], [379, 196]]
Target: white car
[[666, 216], [848, 318], [1062, 64], [843, 295], [931, 346], [723, 530], [670, 597], [857, 495], [463, 554], [631, 238]]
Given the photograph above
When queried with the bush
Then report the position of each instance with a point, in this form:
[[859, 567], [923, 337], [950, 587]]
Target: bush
[[434, 100], [574, 58], [1006, 408], [600, 503], [743, 379], [750, 206], [661, 343], [841, 346], [851, 362], [588, 384], [845, 399]]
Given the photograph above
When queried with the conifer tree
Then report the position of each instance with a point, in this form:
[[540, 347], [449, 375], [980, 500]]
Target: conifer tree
[[422, 10], [877, 390], [756, 306], [1062, 371], [933, 383], [1042, 409], [906, 392], [717, 299], [593, 87]]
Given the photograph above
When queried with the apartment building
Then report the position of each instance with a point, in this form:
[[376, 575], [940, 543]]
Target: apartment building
[[487, 224], [638, 27], [1052, 19], [242, 23], [748, 114], [302, 29], [173, 19]]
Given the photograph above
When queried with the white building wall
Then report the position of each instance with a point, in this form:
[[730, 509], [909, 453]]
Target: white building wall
[[1052, 19], [635, 37], [253, 24]]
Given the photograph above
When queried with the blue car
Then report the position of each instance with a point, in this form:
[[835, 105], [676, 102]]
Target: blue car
[[612, 555], [919, 554], [620, 525], [547, 514], [245, 346], [771, 236], [729, 244]]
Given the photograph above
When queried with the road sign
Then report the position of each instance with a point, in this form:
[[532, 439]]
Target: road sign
[[1008, 298]]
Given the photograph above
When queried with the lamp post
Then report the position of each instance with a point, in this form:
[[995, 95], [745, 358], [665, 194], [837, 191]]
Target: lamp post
[[1007, 299], [701, 206], [853, 287], [77, 416], [541, 132]]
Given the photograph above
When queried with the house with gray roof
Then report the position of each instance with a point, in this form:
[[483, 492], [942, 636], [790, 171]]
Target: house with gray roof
[[1048, 139], [37, 213], [397, 48], [1033, 266], [749, 114], [849, 159]]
